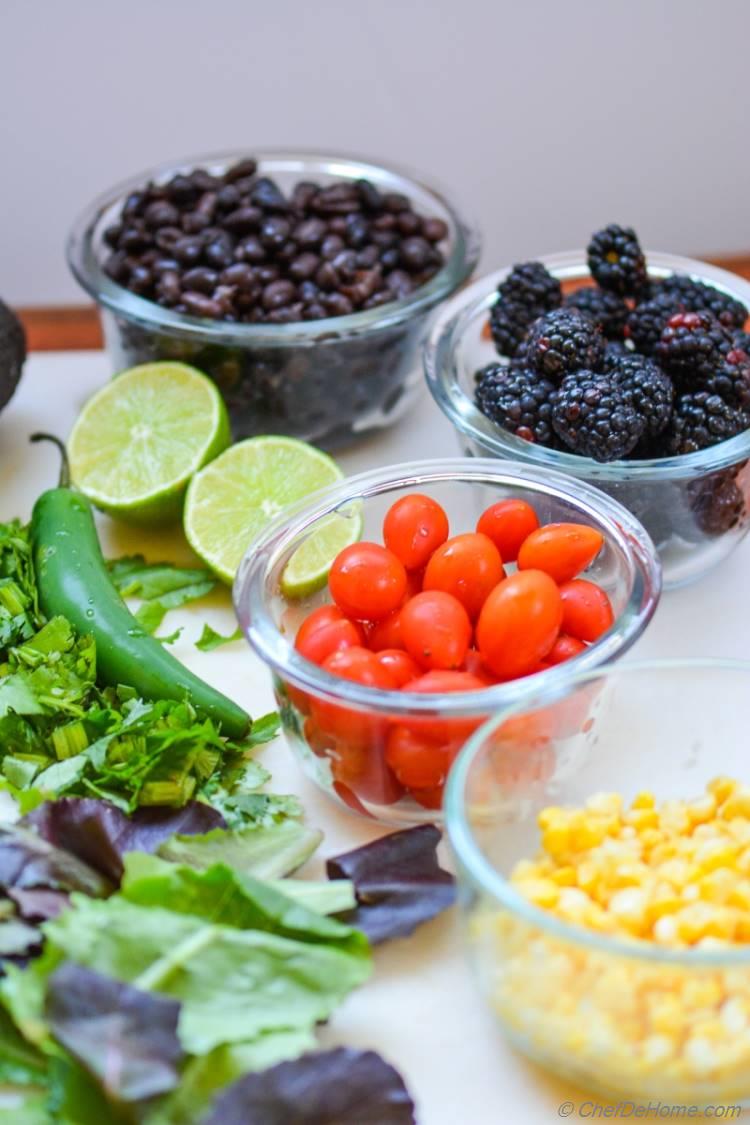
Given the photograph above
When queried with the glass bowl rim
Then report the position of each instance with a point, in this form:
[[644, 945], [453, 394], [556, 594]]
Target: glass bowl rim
[[89, 273], [279, 654], [459, 311], [483, 873]]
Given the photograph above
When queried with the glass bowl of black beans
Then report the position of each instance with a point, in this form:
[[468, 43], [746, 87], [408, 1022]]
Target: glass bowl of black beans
[[302, 283]]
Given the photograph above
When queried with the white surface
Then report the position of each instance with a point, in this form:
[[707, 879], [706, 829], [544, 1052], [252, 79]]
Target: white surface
[[546, 120], [420, 1010]]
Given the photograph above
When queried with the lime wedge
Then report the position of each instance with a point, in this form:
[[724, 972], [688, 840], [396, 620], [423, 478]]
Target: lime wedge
[[140, 439], [231, 500], [307, 569]]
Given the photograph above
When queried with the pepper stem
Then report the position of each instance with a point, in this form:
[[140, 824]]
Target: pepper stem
[[64, 481]]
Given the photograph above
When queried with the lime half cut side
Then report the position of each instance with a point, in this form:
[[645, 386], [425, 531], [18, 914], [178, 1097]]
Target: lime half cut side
[[307, 569], [142, 437], [230, 501]]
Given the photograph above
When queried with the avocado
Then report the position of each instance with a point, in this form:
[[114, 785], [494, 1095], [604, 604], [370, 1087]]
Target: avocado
[[12, 353]]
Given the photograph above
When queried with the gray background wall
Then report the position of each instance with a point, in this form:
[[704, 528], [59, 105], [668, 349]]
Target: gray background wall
[[547, 119]]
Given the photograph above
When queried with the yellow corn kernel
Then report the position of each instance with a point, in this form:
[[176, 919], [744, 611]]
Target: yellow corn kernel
[[542, 892], [666, 1015], [721, 787], [605, 804], [718, 886], [564, 876], [643, 800], [586, 833], [642, 819], [702, 991], [737, 803]]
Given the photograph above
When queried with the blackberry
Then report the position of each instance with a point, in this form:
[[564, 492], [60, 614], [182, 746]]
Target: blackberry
[[650, 388], [692, 347], [647, 320], [614, 351], [527, 292], [617, 262], [562, 341], [696, 296], [731, 380], [606, 309], [517, 400], [596, 417], [717, 502], [700, 420], [741, 341]]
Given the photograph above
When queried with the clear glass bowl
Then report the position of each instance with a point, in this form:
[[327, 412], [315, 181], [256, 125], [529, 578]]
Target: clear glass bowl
[[325, 381], [342, 747], [679, 500], [626, 1019]]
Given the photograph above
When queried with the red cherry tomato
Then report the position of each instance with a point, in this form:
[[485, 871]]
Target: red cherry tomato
[[565, 648], [519, 623], [468, 567], [386, 633], [399, 665], [447, 731], [435, 629], [417, 762], [367, 581], [324, 631], [413, 528], [587, 611], [363, 770], [353, 726], [507, 523], [561, 550], [429, 798], [474, 664]]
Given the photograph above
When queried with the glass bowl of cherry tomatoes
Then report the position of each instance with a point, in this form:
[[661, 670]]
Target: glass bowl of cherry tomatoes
[[447, 591]]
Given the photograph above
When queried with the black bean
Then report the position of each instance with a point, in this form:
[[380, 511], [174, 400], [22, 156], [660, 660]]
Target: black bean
[[367, 258], [240, 275], [194, 222], [265, 193], [204, 181], [303, 194], [338, 198], [326, 277], [112, 234], [309, 233], [160, 213], [277, 294], [274, 231], [228, 198], [287, 314], [166, 238], [134, 204], [134, 240], [331, 245], [434, 230], [314, 311], [308, 291], [245, 168], [369, 195], [338, 304], [201, 279], [384, 222], [365, 284], [224, 296], [116, 266], [187, 250], [243, 220], [394, 201], [399, 282], [408, 223], [288, 252], [345, 264], [268, 273], [165, 265], [385, 239], [198, 304], [206, 205], [303, 266], [181, 189], [357, 231], [382, 297], [250, 250], [337, 224], [220, 251], [168, 287], [415, 253]]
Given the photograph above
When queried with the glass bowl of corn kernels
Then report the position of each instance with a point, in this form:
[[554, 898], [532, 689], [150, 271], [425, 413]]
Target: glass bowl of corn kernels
[[601, 832]]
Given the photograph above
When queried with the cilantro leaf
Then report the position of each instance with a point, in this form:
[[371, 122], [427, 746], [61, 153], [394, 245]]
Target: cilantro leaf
[[210, 639]]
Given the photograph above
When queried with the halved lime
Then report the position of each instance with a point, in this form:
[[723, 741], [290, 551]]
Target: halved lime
[[141, 438], [231, 500]]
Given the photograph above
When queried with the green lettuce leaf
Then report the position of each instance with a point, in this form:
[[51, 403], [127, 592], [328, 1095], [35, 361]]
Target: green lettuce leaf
[[210, 639], [233, 984], [267, 852]]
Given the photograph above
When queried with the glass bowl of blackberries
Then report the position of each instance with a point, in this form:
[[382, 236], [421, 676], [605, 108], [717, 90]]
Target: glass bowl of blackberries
[[302, 283], [630, 371]]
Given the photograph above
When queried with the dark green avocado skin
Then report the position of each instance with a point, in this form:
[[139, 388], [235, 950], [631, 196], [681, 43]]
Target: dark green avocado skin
[[12, 353]]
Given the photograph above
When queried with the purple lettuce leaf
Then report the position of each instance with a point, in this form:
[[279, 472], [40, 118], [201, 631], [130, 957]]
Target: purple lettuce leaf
[[125, 1038], [38, 904], [337, 1087], [100, 834], [398, 882], [29, 862]]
